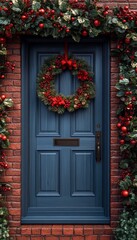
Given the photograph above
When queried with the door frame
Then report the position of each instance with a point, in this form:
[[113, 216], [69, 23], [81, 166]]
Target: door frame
[[26, 41]]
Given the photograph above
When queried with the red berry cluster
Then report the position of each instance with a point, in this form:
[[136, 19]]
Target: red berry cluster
[[3, 137], [105, 12], [126, 15], [2, 109], [124, 125], [83, 75], [8, 30], [78, 4], [5, 188], [10, 65], [2, 40], [3, 163], [60, 27], [27, 2], [46, 13], [4, 65]]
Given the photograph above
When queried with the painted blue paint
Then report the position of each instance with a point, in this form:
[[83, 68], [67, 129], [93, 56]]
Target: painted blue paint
[[64, 184]]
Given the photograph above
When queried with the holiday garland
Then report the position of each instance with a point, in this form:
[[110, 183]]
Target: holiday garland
[[84, 19], [46, 84], [5, 104]]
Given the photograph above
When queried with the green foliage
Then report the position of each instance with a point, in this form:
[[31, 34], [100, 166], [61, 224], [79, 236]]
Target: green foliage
[[5, 103], [127, 228], [4, 231], [60, 16]]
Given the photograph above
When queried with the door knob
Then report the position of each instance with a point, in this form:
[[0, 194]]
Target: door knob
[[98, 146]]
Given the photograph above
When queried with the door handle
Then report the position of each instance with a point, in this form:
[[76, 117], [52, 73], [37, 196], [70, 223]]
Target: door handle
[[98, 146]]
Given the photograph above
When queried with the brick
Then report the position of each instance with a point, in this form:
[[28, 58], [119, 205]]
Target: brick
[[105, 238], [52, 238], [22, 238], [91, 238], [68, 229], [26, 230], [35, 231], [13, 231], [16, 51], [36, 238], [98, 229], [65, 238], [16, 179], [16, 152], [15, 204], [14, 58], [14, 211], [13, 45], [16, 166], [57, 229], [16, 120], [15, 76], [46, 230], [13, 172], [12, 88], [14, 126], [88, 230], [15, 145], [78, 238], [13, 198], [15, 139], [7, 83], [78, 230], [16, 132], [14, 224]]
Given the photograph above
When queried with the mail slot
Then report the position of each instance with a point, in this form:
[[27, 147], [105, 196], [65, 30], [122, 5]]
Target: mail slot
[[66, 141]]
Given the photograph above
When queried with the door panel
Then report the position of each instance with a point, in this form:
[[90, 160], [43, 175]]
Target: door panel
[[47, 181], [82, 174], [64, 184]]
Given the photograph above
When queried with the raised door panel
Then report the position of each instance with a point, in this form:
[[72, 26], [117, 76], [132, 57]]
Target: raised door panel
[[48, 174]]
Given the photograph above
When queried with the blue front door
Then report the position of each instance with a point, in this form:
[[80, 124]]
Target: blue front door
[[65, 184]]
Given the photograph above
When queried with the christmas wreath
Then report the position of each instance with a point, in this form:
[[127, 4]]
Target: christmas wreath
[[47, 92]]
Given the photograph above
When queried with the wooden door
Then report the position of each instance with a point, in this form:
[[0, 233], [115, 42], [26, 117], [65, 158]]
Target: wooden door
[[65, 184]]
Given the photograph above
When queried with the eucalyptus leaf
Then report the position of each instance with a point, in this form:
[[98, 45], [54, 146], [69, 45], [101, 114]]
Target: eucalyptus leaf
[[16, 9], [120, 94], [63, 7], [36, 6], [4, 21], [3, 51], [8, 102], [124, 81], [86, 23], [124, 147], [114, 20], [133, 135], [124, 165], [76, 37]]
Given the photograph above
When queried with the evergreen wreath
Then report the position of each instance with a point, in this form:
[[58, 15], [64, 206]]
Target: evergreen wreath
[[57, 102]]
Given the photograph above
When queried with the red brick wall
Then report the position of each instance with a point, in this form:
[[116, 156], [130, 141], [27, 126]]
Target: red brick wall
[[12, 87]]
